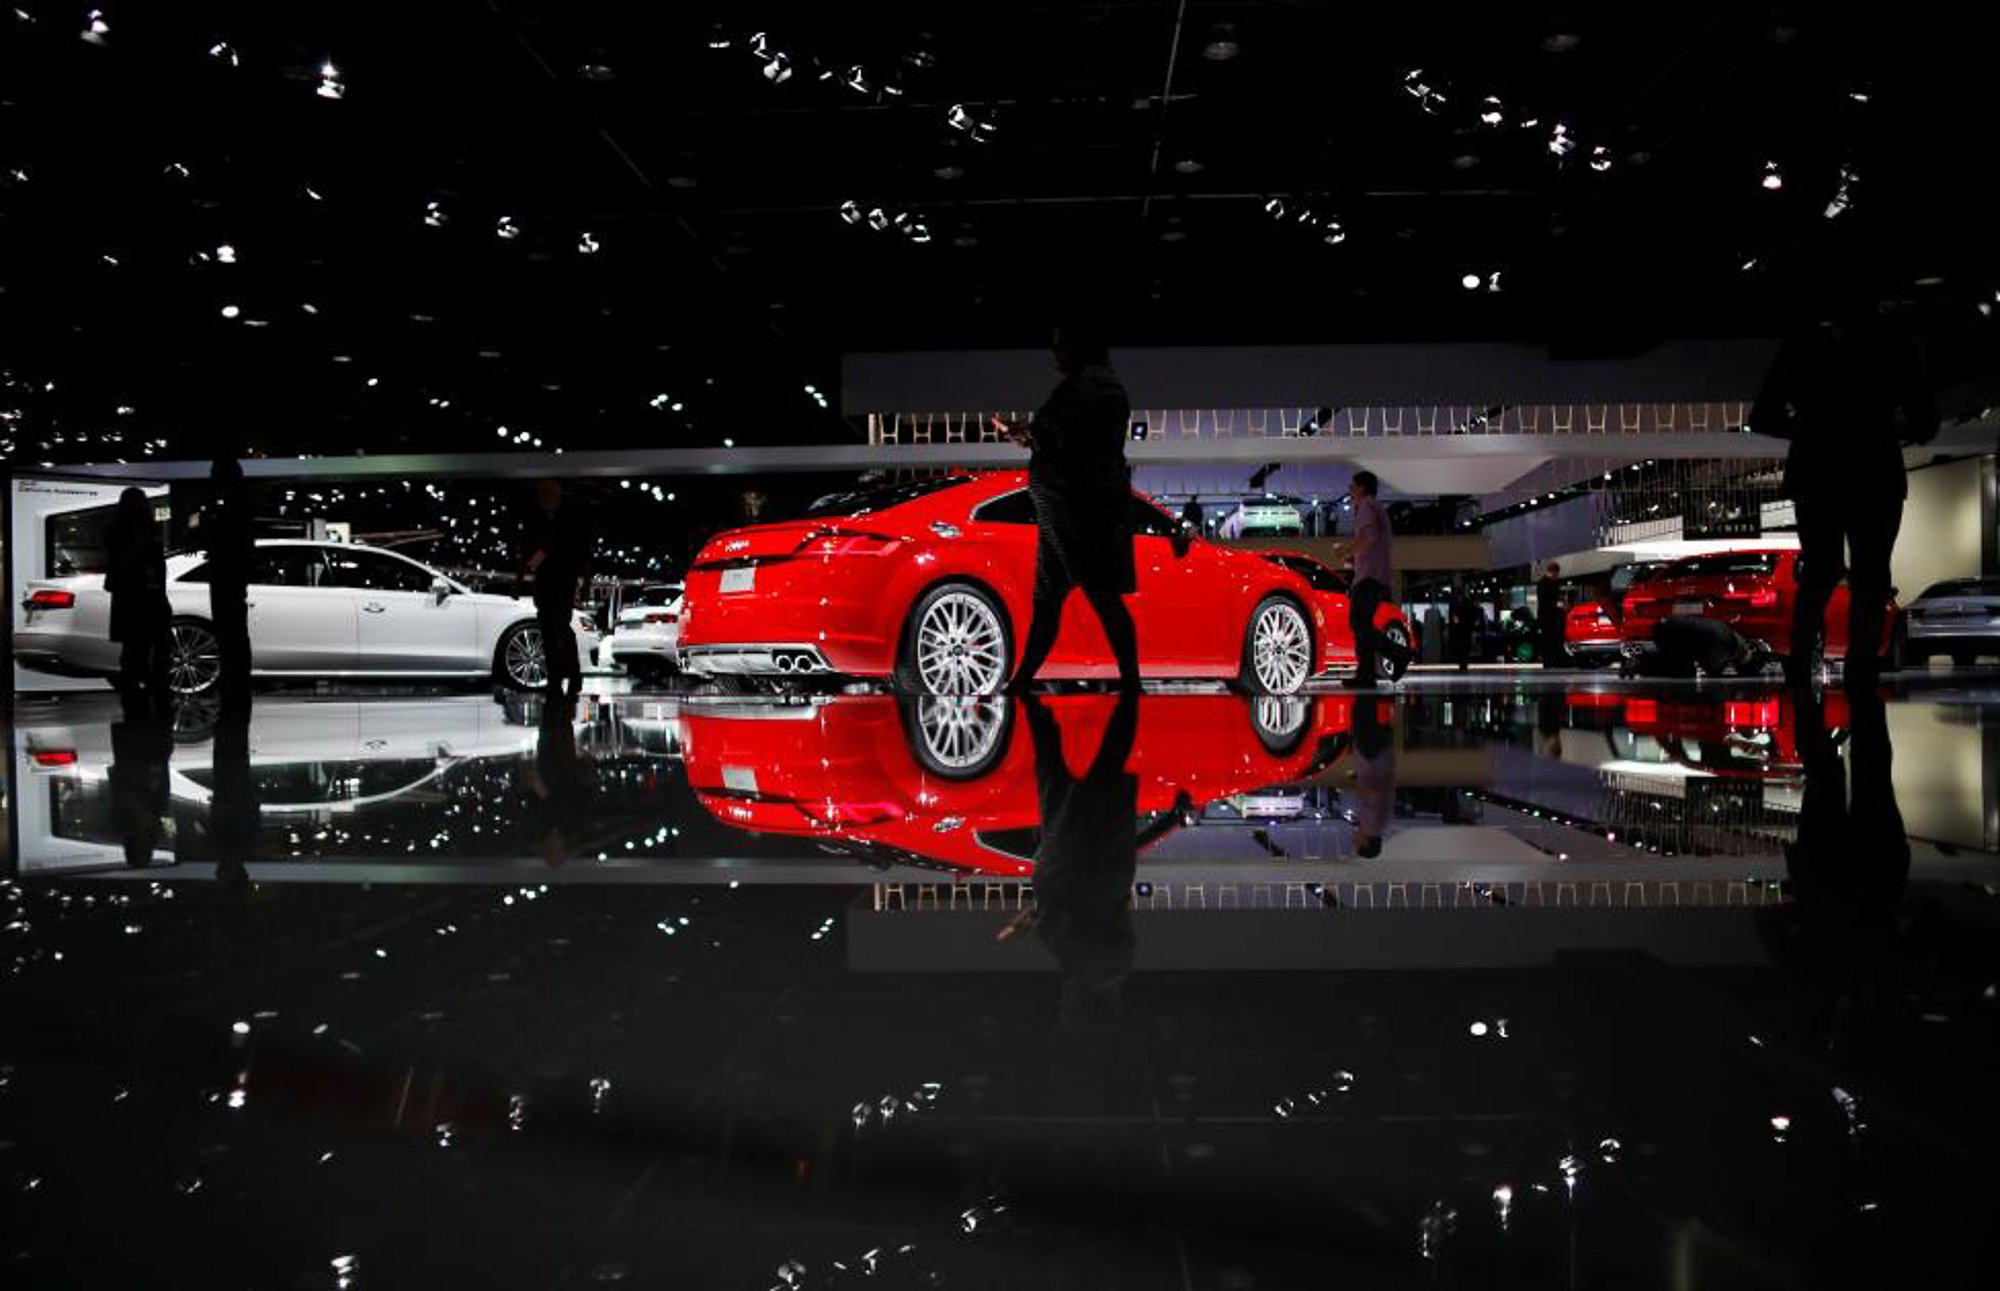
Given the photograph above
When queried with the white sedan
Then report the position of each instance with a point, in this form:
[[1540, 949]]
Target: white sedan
[[647, 636], [317, 610]]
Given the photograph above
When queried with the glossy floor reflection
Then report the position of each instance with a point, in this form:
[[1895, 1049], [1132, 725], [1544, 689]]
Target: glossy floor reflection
[[1486, 984]]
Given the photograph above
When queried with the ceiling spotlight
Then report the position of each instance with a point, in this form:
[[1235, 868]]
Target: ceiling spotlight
[[718, 38], [778, 70], [231, 311], [878, 219], [1561, 143], [949, 172], [850, 212], [434, 215], [1843, 194], [505, 229], [1188, 166], [1336, 233], [226, 254], [1560, 42], [1490, 111], [330, 84], [758, 44], [918, 233], [1275, 208], [857, 79], [587, 244], [957, 117], [1470, 282], [95, 29], [224, 52], [595, 73], [1222, 43], [1774, 179], [1600, 159]]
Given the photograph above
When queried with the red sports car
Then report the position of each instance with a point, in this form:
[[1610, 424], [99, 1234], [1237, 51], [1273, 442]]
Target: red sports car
[[1329, 587], [928, 583], [1590, 630], [1750, 591], [1750, 736], [950, 780]]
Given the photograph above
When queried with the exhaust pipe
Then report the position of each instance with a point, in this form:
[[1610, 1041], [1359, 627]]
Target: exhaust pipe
[[782, 661]]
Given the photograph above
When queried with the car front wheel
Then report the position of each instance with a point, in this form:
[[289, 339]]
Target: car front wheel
[[1277, 648], [194, 657], [520, 662], [1390, 668]]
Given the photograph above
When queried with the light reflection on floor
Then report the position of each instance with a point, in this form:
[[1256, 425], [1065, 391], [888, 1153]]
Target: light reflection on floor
[[676, 991]]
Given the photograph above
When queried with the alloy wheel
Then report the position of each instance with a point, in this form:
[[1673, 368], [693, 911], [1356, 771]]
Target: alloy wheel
[[960, 731], [194, 664], [1384, 667], [961, 649], [526, 661], [1281, 648]]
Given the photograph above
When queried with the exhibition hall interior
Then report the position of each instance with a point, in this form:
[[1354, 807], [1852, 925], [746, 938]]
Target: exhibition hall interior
[[1238, 644]]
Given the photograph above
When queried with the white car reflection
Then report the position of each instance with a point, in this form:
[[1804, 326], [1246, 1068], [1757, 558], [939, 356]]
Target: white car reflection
[[317, 610]]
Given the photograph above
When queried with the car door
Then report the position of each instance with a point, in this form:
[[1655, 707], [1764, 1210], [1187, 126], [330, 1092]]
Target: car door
[[401, 625], [1178, 631], [298, 623]]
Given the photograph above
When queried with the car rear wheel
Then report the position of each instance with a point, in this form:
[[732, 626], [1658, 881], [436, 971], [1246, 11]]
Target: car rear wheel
[[194, 657], [955, 642], [520, 661], [1277, 648], [957, 737], [1392, 669]]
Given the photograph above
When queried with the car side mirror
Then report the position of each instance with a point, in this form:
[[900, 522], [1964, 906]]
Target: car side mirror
[[441, 590]]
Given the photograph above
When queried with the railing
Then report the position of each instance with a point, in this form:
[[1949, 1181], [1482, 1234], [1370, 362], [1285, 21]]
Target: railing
[[1301, 895], [1603, 419]]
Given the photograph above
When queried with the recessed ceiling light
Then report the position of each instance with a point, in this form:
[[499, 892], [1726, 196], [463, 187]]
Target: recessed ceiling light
[[1222, 45], [949, 172], [596, 73], [1560, 42], [1188, 166], [682, 181], [1465, 161]]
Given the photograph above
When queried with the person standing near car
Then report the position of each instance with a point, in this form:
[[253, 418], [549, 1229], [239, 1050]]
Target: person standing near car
[[558, 557], [1082, 490], [1848, 392], [1549, 615], [136, 578], [1373, 538]]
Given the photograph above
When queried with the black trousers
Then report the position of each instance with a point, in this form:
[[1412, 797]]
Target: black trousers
[[142, 660], [231, 612], [1865, 527], [1122, 636], [1369, 640], [559, 645]]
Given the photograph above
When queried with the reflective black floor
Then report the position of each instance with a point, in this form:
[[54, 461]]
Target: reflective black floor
[[1509, 981]]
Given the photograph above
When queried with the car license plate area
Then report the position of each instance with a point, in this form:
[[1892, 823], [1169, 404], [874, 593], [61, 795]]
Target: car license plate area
[[739, 779], [1694, 608], [741, 579]]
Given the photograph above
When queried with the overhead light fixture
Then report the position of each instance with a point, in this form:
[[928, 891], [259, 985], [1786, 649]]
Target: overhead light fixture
[[1188, 166], [1222, 43], [1491, 111], [1561, 142], [878, 219], [857, 79], [778, 69], [850, 212], [1843, 194], [1275, 208], [949, 172], [1600, 159], [1560, 42], [1774, 179], [330, 84], [1470, 282], [1335, 234], [596, 73]]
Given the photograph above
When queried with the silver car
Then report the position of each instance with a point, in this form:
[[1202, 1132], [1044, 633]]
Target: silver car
[[1959, 617], [317, 610]]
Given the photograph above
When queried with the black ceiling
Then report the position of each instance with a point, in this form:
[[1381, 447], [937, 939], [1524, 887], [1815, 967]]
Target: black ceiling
[[1127, 171]]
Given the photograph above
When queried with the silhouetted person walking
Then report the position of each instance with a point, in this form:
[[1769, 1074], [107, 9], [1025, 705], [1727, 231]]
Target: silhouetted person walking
[[1465, 617], [141, 744], [1082, 490], [1373, 572], [1549, 615], [1374, 772], [228, 533], [136, 578], [558, 558], [1848, 392]]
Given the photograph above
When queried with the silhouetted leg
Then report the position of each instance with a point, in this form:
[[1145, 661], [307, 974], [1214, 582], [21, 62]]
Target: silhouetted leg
[[1042, 630], [1120, 633], [1362, 602], [1872, 536], [1821, 532]]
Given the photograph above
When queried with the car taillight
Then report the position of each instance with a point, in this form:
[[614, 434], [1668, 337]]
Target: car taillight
[[663, 618], [1636, 603], [50, 599], [1759, 598], [1642, 710], [845, 542], [1751, 712], [54, 757]]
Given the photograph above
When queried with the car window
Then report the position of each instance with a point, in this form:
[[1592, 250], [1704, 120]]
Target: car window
[[1317, 576], [1963, 587], [658, 595], [1726, 562], [375, 572], [199, 574], [1009, 508], [1148, 521], [856, 502], [287, 567]]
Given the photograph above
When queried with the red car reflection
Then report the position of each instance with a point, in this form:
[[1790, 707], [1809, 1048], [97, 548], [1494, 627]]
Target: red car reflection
[[1751, 591], [929, 583], [1750, 736], [1329, 588], [948, 780]]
